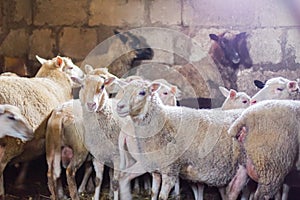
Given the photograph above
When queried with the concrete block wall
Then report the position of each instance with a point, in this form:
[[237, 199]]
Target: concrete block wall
[[74, 27]]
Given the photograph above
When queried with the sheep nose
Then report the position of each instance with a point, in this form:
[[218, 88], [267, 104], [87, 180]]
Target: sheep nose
[[253, 102], [91, 105]]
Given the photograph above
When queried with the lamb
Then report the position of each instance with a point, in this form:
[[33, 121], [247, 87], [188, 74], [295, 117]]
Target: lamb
[[36, 97], [275, 88], [124, 51], [267, 157], [161, 143], [234, 99], [13, 124]]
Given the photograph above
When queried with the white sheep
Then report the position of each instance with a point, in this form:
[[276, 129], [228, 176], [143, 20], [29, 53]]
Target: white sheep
[[14, 124], [160, 141], [36, 97], [276, 88], [264, 130], [234, 99]]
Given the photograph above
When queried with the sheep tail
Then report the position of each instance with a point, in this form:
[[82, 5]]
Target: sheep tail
[[54, 136]]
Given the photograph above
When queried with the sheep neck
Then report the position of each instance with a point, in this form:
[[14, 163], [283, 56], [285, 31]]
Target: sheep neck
[[152, 113]]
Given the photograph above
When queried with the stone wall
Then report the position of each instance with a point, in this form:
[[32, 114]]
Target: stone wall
[[75, 27]]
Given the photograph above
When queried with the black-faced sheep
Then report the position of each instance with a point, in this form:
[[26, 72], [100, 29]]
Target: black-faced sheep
[[124, 51]]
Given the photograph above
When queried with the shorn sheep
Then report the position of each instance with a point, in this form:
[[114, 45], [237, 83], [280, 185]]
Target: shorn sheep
[[264, 130], [36, 97], [159, 140], [13, 123], [275, 88]]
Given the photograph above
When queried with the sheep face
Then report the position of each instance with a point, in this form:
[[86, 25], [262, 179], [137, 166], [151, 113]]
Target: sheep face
[[167, 95], [93, 94], [234, 99], [276, 88], [72, 70], [134, 99], [230, 49], [13, 124]]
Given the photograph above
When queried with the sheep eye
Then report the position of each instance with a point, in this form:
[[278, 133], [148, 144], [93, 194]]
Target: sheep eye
[[165, 93], [142, 93], [11, 117], [102, 87], [279, 89], [245, 101]]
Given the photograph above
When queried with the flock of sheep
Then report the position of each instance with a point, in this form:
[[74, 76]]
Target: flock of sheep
[[134, 127]]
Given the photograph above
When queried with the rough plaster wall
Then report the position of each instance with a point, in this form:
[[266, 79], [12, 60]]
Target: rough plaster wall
[[74, 27]]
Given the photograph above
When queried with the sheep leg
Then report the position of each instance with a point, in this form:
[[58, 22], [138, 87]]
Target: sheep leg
[[237, 183], [176, 191], [111, 172], [222, 191], [53, 174], [136, 185], [22, 175], [99, 169], [147, 184], [156, 181], [124, 184], [70, 173], [197, 189], [168, 183], [285, 191], [266, 191], [87, 173]]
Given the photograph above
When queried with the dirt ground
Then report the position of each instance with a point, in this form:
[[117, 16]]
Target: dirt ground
[[35, 186]]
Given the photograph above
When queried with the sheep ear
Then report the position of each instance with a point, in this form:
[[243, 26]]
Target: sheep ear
[[59, 62], [154, 87], [214, 37], [232, 94], [41, 60], [224, 91], [109, 81], [173, 90], [77, 80], [121, 36], [293, 86], [241, 35], [259, 84], [88, 69]]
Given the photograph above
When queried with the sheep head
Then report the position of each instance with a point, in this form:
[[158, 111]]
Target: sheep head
[[275, 88], [230, 49], [92, 93], [141, 50], [136, 95], [234, 99], [13, 123]]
